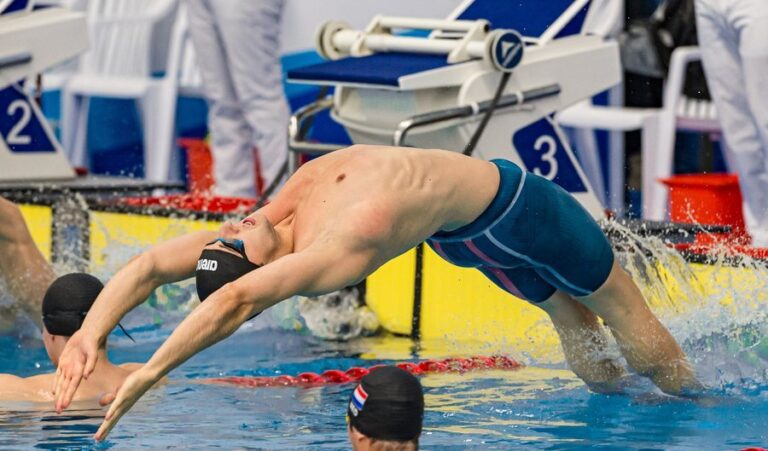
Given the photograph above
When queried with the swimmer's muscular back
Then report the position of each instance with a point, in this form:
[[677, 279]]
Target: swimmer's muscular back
[[394, 196]]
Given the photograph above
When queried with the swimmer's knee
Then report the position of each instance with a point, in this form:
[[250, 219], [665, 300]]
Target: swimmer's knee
[[615, 285]]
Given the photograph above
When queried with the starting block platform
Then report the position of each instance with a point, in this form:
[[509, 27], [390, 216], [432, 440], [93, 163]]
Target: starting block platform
[[31, 41], [512, 64]]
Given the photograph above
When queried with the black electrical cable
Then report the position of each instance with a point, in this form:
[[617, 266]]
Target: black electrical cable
[[470, 148]]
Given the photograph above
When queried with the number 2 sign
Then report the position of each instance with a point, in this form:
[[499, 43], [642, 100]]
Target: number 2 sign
[[21, 124]]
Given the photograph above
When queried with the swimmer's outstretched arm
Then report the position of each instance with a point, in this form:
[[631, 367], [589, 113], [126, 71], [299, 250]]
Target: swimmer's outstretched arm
[[168, 262], [307, 272]]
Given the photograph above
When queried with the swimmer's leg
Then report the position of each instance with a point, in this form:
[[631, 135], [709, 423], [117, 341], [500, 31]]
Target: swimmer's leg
[[646, 344], [23, 269], [584, 343], [583, 339]]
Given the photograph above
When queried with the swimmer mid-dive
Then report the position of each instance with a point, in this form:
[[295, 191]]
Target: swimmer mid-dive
[[65, 305], [343, 215]]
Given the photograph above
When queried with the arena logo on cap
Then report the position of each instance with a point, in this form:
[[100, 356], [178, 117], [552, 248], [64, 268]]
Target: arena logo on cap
[[207, 265], [358, 400]]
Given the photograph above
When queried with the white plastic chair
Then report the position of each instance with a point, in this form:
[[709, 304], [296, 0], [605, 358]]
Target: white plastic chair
[[190, 79], [658, 128], [606, 19], [118, 65]]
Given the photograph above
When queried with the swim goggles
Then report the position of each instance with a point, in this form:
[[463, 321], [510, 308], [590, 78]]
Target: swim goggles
[[236, 245]]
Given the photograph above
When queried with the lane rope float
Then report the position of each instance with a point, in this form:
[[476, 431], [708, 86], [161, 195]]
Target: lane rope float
[[330, 377]]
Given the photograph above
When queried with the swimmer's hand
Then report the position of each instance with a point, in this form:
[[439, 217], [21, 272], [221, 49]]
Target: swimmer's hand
[[132, 389], [76, 362]]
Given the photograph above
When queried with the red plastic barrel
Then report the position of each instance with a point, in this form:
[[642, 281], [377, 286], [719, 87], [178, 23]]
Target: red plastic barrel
[[712, 199], [200, 166]]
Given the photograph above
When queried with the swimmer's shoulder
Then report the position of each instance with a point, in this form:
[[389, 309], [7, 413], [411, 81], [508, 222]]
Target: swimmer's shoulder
[[26, 388]]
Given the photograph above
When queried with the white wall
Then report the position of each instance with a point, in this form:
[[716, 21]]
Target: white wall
[[302, 17]]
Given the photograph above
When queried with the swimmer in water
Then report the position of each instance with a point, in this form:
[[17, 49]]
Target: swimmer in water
[[343, 215], [24, 272], [386, 411], [64, 307]]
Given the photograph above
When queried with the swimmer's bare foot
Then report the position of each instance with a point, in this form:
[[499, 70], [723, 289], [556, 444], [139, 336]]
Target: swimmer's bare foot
[[608, 377], [677, 378]]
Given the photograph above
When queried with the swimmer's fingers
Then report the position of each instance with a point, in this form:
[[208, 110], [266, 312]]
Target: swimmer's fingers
[[69, 390], [71, 375], [130, 392], [56, 383], [90, 364], [108, 424]]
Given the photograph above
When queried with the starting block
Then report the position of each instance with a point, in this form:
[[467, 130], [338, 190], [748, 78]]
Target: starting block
[[394, 88], [31, 41]]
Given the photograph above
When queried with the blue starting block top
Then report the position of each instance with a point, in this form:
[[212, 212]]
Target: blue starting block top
[[16, 6], [530, 17], [381, 69]]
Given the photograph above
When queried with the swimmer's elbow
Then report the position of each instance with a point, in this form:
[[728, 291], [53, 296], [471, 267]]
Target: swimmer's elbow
[[145, 267], [237, 300]]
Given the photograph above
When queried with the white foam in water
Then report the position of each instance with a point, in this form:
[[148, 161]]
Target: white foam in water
[[724, 330]]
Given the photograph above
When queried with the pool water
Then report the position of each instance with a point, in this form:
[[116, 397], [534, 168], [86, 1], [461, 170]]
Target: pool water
[[541, 406], [533, 407]]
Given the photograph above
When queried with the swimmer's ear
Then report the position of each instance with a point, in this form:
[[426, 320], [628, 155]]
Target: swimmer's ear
[[106, 399]]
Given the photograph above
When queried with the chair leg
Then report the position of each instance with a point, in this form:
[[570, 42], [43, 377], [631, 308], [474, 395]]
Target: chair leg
[[589, 155], [157, 109], [74, 127], [658, 138]]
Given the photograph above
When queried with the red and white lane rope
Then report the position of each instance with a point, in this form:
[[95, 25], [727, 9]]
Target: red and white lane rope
[[308, 379]]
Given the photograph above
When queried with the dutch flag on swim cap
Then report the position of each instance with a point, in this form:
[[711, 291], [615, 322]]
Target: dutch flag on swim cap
[[358, 400]]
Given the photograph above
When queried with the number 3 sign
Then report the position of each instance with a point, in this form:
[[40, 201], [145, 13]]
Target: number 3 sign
[[543, 153]]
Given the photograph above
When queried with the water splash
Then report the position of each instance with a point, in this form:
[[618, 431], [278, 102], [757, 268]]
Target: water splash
[[717, 311]]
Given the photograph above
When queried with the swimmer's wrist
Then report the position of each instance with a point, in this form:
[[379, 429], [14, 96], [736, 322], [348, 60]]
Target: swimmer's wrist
[[92, 334]]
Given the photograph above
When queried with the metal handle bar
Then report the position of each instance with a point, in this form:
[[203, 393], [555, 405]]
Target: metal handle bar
[[15, 59], [461, 112]]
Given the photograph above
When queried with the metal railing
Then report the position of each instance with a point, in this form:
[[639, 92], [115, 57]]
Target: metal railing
[[297, 131]]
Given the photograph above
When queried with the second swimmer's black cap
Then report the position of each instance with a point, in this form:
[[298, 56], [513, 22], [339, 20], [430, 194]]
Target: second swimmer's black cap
[[67, 301], [388, 404]]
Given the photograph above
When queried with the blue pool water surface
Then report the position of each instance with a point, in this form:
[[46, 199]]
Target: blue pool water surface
[[530, 408]]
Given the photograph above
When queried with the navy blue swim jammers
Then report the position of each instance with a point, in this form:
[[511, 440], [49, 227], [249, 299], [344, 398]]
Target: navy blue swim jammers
[[534, 238]]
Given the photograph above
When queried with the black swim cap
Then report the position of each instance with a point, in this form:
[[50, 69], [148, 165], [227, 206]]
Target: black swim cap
[[216, 268], [388, 404], [67, 301]]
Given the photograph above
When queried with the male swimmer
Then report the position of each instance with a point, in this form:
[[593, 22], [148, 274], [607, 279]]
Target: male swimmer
[[64, 307], [386, 411], [343, 215], [23, 269]]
